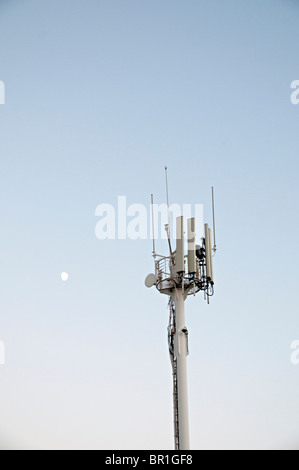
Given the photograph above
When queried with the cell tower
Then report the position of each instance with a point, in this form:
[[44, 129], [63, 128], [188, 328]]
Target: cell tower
[[178, 275]]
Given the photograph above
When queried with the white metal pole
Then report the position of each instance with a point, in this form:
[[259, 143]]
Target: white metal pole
[[181, 351]]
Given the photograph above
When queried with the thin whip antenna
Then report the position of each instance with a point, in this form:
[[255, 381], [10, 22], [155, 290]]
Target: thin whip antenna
[[214, 226], [153, 227], [167, 227], [167, 197]]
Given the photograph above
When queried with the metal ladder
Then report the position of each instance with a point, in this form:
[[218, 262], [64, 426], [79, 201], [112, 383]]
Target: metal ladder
[[173, 360]]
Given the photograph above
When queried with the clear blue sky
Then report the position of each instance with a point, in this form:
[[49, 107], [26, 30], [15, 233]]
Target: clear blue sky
[[100, 95]]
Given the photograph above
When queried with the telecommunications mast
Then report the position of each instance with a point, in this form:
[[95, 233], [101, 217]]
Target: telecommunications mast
[[178, 275]]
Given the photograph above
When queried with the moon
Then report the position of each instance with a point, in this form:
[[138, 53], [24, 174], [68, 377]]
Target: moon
[[64, 276]]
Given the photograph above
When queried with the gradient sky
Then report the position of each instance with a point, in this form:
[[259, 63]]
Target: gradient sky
[[100, 95]]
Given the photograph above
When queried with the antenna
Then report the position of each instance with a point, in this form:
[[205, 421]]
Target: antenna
[[214, 226], [191, 247], [167, 226], [208, 252], [180, 252], [173, 278], [167, 196], [153, 226]]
